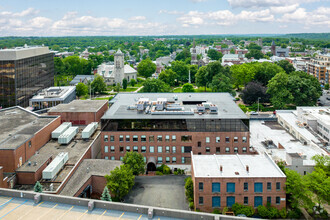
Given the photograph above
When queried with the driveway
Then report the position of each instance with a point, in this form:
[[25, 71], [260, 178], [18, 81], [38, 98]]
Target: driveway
[[160, 191]]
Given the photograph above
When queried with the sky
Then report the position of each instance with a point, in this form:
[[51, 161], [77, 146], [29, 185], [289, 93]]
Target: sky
[[162, 17]]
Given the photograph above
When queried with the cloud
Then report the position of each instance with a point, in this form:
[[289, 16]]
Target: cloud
[[138, 18], [171, 12], [265, 3], [192, 18], [284, 9]]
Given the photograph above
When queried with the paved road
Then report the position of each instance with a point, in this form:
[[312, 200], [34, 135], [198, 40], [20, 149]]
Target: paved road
[[161, 191]]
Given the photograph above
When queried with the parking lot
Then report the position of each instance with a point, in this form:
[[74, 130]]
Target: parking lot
[[161, 191]]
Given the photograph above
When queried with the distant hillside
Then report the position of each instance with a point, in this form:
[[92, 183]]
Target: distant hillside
[[314, 36]]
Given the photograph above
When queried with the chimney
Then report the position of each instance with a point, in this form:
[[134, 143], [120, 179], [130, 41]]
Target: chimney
[[220, 168], [247, 168]]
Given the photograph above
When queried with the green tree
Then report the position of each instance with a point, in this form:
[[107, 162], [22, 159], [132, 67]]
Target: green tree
[[213, 69], [183, 55], [254, 46], [222, 83], [193, 70], [253, 91], [214, 55], [326, 86], [106, 195], [120, 181], [117, 87], [98, 85], [124, 83], [38, 187], [256, 54], [59, 67], [81, 89], [242, 74], [265, 71], [278, 89], [155, 85], [146, 68], [135, 161], [189, 186], [181, 69], [168, 76], [201, 77], [188, 88], [286, 65], [132, 82]]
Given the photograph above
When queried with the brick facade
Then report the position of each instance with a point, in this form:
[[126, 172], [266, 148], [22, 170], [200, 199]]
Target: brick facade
[[97, 182]]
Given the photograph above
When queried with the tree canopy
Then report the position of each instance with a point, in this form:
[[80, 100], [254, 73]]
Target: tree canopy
[[146, 68], [98, 85], [286, 66], [168, 76], [81, 89], [135, 161], [188, 88], [254, 90], [214, 54], [155, 85]]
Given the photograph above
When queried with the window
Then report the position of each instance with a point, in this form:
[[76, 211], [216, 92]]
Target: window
[[159, 149], [257, 201], [143, 138], [145, 159], [227, 149], [121, 149], [135, 148], [135, 138], [167, 138], [257, 187], [112, 158], [128, 148], [269, 200], [217, 149], [159, 138], [30, 145], [235, 139], [215, 187], [121, 158], [227, 139], [167, 159], [207, 149], [173, 138], [151, 149], [159, 160], [121, 138], [106, 138], [278, 200], [151, 138], [244, 139], [173, 149], [173, 159], [199, 144], [217, 139], [182, 149], [216, 202], [201, 200], [183, 160], [244, 149], [269, 186], [201, 186], [112, 149], [278, 186], [106, 149], [246, 200], [207, 139], [112, 138], [230, 187], [186, 149], [235, 149], [143, 149], [127, 138], [246, 186], [107, 158], [186, 138], [230, 201], [167, 149]]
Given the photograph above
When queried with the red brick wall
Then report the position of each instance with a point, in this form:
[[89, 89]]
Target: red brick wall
[[196, 137], [7, 160], [97, 182], [239, 191]]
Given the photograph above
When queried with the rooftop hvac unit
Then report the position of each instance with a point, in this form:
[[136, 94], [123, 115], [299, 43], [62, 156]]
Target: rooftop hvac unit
[[200, 108], [213, 109], [55, 166], [61, 129], [68, 135], [89, 130], [207, 105]]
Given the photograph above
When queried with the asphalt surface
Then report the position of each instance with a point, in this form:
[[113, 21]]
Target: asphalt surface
[[323, 99], [161, 191]]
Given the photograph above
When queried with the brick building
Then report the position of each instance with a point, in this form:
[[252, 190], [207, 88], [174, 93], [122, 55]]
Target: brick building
[[81, 112], [22, 134], [221, 180], [166, 127]]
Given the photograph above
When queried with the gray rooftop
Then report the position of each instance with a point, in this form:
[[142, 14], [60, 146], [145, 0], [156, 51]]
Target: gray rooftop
[[54, 94], [22, 52], [88, 168], [227, 108], [79, 106], [18, 125], [80, 78]]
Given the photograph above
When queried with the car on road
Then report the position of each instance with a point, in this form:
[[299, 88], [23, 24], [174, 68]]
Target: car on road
[[254, 113]]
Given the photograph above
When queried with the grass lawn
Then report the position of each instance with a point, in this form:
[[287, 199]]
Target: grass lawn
[[129, 89], [102, 98], [177, 90], [202, 89]]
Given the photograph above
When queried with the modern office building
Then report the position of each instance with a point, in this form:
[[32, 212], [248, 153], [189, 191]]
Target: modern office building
[[166, 127], [222, 180], [23, 72], [53, 96]]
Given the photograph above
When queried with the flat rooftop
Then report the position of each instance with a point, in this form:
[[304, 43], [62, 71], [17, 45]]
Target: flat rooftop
[[227, 108], [54, 94], [234, 166], [261, 131], [87, 169], [18, 125], [22, 52], [80, 106]]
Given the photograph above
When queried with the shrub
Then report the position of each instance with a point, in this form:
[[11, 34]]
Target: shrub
[[224, 210], [166, 170], [241, 209], [294, 213], [189, 186], [262, 211], [273, 212], [243, 107], [216, 211], [283, 213], [175, 172], [159, 173], [191, 205]]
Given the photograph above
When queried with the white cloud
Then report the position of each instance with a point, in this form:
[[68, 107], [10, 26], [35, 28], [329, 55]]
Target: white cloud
[[192, 18], [284, 9], [265, 3], [138, 18], [171, 12], [196, 1]]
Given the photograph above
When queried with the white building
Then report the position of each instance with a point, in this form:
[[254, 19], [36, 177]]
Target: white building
[[114, 74]]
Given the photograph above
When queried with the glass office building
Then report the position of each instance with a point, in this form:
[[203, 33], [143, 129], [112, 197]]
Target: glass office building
[[23, 72]]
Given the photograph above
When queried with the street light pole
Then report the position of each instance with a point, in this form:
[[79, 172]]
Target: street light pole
[[258, 104]]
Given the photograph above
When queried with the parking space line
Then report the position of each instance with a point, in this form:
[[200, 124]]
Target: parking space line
[[102, 214], [121, 215], [65, 212], [13, 209], [140, 217], [48, 211], [6, 202], [30, 211], [83, 214]]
